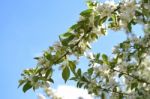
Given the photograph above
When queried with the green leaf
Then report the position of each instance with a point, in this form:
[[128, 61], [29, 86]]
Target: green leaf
[[51, 80], [35, 78], [84, 79], [129, 27], [113, 18], [43, 78], [21, 82], [138, 13], [115, 89], [110, 19], [134, 85], [145, 1], [75, 26], [98, 56], [103, 20], [37, 58], [105, 58], [90, 71], [79, 72], [27, 86], [120, 75], [90, 4], [113, 62], [72, 66], [48, 73], [100, 62], [73, 78], [66, 73], [121, 96], [94, 36], [97, 20], [86, 12], [66, 38], [79, 85], [65, 35], [48, 55], [103, 96], [27, 72]]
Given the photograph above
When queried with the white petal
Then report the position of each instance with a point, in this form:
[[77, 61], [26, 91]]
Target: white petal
[[40, 96]]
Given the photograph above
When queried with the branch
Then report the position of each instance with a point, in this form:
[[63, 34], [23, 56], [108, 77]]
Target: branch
[[67, 52], [135, 77], [117, 92]]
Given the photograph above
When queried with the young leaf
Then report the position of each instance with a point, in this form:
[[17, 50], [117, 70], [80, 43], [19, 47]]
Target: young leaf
[[86, 12], [75, 26], [98, 56], [27, 86], [72, 66], [21, 82], [91, 4], [79, 72], [105, 58], [48, 73], [129, 27], [66, 74], [51, 80], [102, 20], [37, 58], [90, 71], [65, 35], [48, 55], [66, 38], [134, 85]]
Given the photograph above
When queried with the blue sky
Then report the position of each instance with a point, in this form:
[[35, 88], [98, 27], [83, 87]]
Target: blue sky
[[27, 27]]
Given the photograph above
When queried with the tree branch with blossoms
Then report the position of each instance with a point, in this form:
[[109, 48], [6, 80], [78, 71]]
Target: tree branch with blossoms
[[129, 64]]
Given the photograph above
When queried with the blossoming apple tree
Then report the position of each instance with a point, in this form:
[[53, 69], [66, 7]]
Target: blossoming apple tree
[[125, 75]]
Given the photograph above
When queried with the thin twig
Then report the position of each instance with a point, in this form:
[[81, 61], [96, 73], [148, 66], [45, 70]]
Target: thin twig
[[67, 52], [135, 77], [117, 92]]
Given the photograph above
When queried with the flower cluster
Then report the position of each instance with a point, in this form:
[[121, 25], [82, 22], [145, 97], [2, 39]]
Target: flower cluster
[[106, 9], [127, 12], [50, 92]]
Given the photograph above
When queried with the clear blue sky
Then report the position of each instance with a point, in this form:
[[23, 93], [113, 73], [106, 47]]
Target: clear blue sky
[[27, 27]]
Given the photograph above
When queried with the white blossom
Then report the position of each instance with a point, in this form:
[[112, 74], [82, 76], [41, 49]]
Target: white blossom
[[48, 91], [147, 29], [127, 12], [112, 82], [40, 96], [106, 9], [89, 55], [47, 84], [81, 18], [57, 45], [146, 6], [100, 30], [91, 20]]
